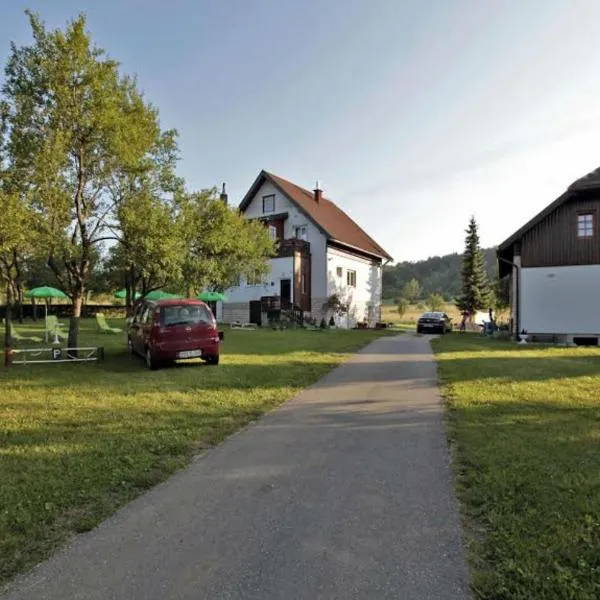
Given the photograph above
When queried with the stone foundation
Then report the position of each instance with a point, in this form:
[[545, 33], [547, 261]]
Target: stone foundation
[[240, 311], [317, 311], [358, 312]]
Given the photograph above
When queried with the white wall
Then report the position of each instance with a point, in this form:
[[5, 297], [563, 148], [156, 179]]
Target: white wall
[[279, 268], [560, 300], [368, 285], [296, 218]]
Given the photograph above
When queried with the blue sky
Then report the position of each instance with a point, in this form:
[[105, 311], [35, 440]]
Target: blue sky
[[413, 115]]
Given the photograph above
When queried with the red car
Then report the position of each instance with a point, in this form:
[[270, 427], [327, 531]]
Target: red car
[[163, 331]]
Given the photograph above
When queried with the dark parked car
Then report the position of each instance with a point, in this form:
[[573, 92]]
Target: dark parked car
[[434, 322], [163, 331]]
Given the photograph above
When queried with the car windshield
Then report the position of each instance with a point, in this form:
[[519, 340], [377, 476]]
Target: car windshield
[[185, 315], [432, 315]]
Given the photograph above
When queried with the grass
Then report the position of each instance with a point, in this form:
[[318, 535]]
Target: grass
[[525, 430], [79, 440], [389, 314]]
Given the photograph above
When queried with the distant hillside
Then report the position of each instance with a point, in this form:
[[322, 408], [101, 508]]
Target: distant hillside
[[439, 274]]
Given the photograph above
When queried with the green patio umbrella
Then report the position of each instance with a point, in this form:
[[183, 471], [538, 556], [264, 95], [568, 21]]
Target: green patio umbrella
[[122, 294], [45, 292], [160, 295], [212, 297]]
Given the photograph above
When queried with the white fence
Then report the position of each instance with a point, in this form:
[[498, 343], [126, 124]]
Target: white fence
[[29, 356]]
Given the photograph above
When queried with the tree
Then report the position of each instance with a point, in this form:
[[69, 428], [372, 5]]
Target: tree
[[501, 289], [402, 306], [152, 249], [437, 274], [17, 236], [412, 290], [17, 228], [220, 244], [149, 255], [475, 284], [74, 120], [435, 302]]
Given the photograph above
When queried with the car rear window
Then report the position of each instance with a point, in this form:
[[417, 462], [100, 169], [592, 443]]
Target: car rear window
[[432, 315], [185, 314]]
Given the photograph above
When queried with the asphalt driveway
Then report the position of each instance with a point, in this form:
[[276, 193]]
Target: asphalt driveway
[[345, 492]]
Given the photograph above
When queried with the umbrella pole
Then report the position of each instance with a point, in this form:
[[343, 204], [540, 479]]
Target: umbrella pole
[[46, 319]]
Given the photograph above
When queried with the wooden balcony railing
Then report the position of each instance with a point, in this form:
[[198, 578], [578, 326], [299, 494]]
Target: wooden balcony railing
[[275, 303], [292, 245]]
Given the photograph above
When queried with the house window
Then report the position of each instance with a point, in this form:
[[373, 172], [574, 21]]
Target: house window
[[269, 203], [585, 225], [351, 278], [303, 279], [301, 233], [339, 271], [273, 232], [254, 279]]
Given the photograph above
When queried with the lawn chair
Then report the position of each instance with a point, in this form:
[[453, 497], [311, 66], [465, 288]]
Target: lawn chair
[[104, 326], [53, 326], [19, 337]]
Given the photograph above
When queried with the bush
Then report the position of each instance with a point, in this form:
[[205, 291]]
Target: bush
[[435, 302], [334, 304], [502, 335], [323, 324], [402, 306], [331, 322]]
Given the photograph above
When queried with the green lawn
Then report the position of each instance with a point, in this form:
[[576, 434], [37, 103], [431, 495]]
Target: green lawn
[[79, 440], [525, 431]]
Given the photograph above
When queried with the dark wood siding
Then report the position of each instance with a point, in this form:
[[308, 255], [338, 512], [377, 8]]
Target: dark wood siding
[[302, 269], [292, 246], [553, 242]]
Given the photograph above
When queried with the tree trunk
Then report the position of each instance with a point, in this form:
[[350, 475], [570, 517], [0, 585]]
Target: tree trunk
[[129, 292], [20, 302], [8, 327], [74, 322]]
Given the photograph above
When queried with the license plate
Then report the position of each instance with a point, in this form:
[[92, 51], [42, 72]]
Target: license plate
[[189, 354], [428, 325]]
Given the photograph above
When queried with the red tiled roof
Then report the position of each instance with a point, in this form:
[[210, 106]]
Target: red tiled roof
[[326, 214]]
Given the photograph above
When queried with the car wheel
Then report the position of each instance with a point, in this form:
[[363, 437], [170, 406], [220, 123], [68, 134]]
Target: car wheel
[[212, 360], [151, 362]]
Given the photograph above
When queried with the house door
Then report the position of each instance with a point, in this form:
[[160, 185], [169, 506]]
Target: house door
[[256, 312], [213, 307], [285, 292]]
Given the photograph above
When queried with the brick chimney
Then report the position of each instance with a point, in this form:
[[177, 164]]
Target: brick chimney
[[224, 195], [318, 192]]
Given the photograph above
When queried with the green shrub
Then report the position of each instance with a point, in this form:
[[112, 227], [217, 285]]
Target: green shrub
[[402, 306]]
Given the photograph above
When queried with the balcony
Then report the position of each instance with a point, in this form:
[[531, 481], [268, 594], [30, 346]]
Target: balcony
[[270, 303], [292, 246]]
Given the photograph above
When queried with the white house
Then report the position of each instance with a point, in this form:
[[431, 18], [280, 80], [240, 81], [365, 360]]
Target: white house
[[553, 266], [321, 252]]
